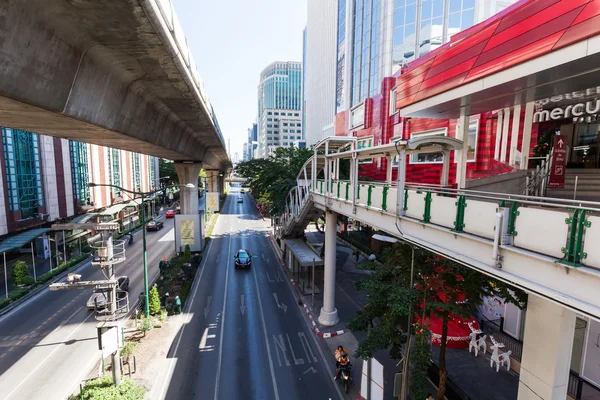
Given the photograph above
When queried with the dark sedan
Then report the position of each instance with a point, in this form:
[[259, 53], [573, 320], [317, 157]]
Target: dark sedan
[[154, 225], [243, 259]]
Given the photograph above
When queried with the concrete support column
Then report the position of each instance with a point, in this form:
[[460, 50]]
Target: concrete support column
[[388, 172], [445, 168], [526, 143], [188, 173], [329, 314], [461, 156], [547, 346]]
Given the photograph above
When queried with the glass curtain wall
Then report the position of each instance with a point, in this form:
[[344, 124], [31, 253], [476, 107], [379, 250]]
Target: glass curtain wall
[[23, 171], [365, 61], [79, 171]]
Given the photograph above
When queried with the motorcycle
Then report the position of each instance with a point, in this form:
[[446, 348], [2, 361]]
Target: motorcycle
[[130, 241], [346, 378]]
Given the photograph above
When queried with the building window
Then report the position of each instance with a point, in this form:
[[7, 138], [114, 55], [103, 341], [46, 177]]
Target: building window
[[276, 113], [23, 171], [365, 143], [285, 131], [357, 116], [115, 170], [289, 114], [296, 115], [393, 109], [79, 171], [269, 125], [135, 171], [472, 142], [270, 113], [285, 137], [428, 158], [269, 119]]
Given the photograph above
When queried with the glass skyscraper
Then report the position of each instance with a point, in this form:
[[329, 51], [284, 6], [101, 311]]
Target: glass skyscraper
[[279, 106]]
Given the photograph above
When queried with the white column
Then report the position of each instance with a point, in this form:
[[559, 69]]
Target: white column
[[188, 173], [445, 168], [504, 134], [388, 172], [329, 314], [499, 126], [526, 143], [547, 346], [401, 181], [514, 136], [461, 156]]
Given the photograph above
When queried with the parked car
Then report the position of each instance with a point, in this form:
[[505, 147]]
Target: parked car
[[243, 259], [99, 297], [170, 214], [240, 199], [242, 191], [154, 225]]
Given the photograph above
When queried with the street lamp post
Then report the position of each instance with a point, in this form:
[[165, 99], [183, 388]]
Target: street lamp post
[[142, 194]]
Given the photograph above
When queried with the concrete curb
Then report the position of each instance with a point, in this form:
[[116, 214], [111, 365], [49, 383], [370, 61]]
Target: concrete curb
[[324, 335], [38, 289]]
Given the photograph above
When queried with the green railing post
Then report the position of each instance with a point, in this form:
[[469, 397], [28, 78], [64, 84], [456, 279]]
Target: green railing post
[[347, 189], [384, 201], [405, 199], [321, 186], [514, 213], [459, 224], [357, 191], [338, 192], [427, 214], [370, 190], [569, 251], [581, 225]]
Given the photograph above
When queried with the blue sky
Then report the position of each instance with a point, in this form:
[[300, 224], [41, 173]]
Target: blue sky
[[232, 41]]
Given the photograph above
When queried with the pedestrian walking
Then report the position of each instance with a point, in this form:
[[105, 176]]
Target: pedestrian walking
[[177, 305]]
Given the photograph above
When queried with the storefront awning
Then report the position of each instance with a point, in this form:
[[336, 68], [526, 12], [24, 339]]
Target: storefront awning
[[303, 253], [20, 240], [112, 210], [83, 218]]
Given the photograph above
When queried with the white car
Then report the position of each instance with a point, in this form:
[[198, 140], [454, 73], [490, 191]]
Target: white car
[[240, 200]]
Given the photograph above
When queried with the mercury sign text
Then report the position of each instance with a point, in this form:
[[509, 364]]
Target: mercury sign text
[[570, 111]]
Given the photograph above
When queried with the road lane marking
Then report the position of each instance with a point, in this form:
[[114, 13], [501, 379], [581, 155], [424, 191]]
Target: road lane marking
[[280, 305], [314, 371], [222, 325], [242, 307], [207, 308], [188, 306], [53, 351], [296, 360], [205, 337], [262, 318], [307, 348]]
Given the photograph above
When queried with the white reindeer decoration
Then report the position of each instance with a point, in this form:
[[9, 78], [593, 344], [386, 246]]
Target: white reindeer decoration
[[499, 359], [477, 343]]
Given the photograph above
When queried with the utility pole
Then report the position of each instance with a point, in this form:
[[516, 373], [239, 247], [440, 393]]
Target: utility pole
[[106, 255]]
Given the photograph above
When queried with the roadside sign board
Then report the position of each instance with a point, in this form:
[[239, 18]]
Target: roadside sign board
[[376, 380], [559, 163]]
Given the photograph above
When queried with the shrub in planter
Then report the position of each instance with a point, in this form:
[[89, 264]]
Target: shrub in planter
[[154, 301], [20, 272], [28, 280], [187, 253]]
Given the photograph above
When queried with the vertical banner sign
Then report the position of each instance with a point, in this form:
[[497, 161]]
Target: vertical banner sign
[[559, 161], [187, 232]]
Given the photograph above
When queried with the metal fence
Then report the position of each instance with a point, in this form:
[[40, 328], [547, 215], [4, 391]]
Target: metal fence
[[495, 328], [579, 389]]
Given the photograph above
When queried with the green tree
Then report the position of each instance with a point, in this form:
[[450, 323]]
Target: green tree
[[187, 253], [20, 273], [273, 177], [167, 169], [154, 301], [441, 287]]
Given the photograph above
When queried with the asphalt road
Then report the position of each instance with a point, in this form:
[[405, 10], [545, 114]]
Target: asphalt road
[[49, 344], [245, 337]]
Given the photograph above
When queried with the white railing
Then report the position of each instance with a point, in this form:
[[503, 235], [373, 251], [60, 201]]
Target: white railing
[[565, 230]]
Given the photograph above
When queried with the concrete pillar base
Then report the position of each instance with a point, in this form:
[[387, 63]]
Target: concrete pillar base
[[328, 318]]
